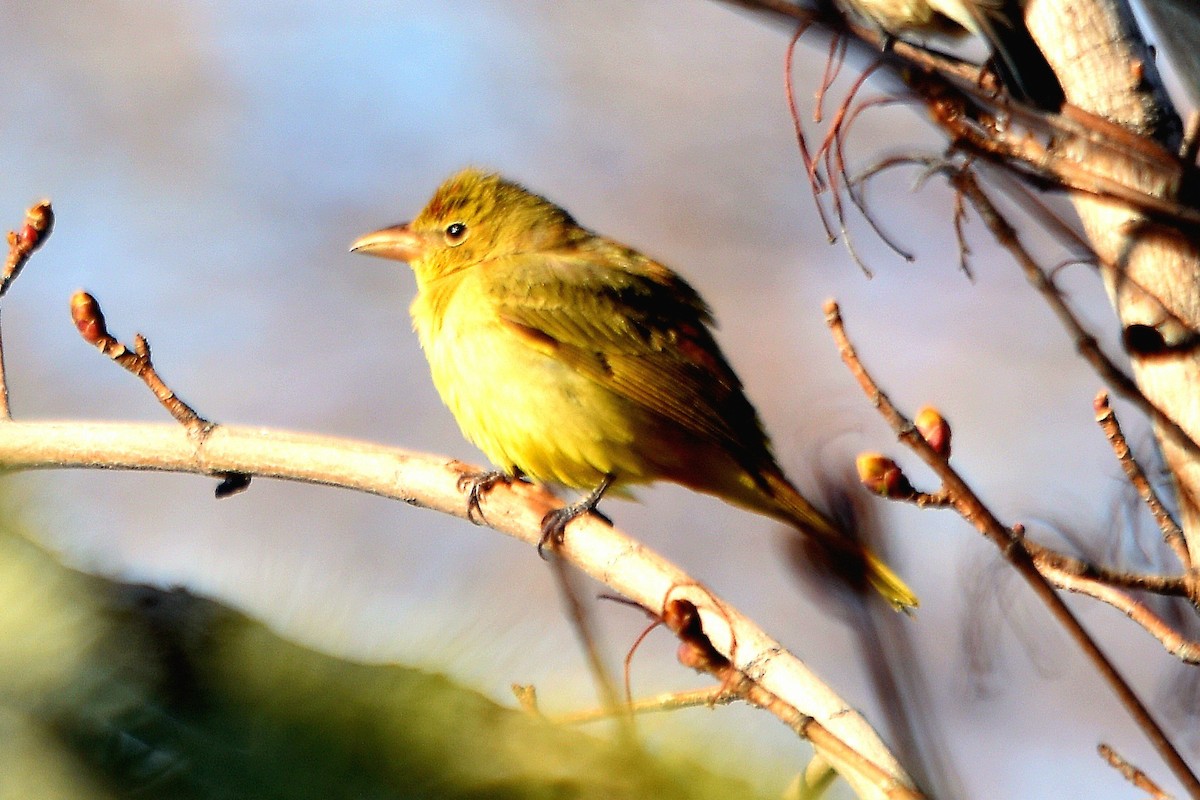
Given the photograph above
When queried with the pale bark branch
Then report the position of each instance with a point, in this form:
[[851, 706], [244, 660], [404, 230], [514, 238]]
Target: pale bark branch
[[1151, 269], [773, 678]]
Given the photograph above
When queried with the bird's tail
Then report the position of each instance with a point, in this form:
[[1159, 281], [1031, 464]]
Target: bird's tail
[[1022, 67], [888, 583], [847, 551]]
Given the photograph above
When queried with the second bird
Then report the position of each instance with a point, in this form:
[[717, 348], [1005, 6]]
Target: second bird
[[1022, 67], [572, 359]]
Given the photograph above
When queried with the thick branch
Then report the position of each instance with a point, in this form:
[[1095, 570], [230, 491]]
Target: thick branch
[[780, 682], [1150, 269]]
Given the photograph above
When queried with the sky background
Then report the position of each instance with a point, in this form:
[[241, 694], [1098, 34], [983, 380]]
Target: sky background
[[210, 162]]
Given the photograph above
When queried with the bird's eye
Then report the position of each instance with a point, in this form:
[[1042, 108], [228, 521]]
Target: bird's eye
[[456, 232]]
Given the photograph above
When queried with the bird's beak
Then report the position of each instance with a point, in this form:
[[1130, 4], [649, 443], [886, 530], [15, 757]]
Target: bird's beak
[[399, 243]]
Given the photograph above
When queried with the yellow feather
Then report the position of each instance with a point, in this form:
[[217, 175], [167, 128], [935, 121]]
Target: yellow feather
[[576, 360]]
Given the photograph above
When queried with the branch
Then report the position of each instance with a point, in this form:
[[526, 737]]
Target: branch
[[882, 476], [669, 701], [1011, 546], [778, 681], [1131, 773], [1062, 564], [39, 221], [1116, 147], [1186, 650], [1008, 238], [1172, 535]]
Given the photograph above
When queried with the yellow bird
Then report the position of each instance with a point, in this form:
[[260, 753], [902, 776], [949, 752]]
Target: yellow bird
[[572, 359]]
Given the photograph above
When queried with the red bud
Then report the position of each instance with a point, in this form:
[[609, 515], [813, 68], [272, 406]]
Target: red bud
[[88, 318], [934, 429], [39, 219], [882, 475]]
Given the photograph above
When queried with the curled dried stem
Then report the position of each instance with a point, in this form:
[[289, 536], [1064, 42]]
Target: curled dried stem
[[816, 182]]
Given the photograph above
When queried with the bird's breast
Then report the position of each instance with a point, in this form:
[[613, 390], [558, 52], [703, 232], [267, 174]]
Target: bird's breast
[[517, 402]]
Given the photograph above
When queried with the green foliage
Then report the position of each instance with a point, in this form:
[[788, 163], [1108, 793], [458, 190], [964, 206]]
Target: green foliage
[[115, 691]]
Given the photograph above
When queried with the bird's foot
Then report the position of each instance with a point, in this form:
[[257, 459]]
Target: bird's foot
[[477, 484], [554, 524]]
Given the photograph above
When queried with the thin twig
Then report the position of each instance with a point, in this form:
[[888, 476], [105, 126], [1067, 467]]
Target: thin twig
[[89, 321], [526, 698], [1186, 650], [972, 509], [960, 234], [1171, 532], [672, 701], [5, 410], [39, 222], [585, 632], [811, 173], [1131, 773], [787, 688], [1163, 585]]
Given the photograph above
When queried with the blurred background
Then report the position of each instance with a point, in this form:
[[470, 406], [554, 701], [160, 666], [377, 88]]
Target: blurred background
[[210, 162]]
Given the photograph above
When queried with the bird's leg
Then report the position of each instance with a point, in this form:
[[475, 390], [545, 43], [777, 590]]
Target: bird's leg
[[477, 484], [554, 524]]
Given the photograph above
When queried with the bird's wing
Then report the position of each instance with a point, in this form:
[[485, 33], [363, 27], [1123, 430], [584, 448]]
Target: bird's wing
[[634, 327]]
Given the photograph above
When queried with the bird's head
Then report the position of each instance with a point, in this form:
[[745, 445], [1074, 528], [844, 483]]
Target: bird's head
[[472, 218]]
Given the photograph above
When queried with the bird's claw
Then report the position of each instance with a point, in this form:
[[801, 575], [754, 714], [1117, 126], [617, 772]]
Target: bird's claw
[[476, 485], [554, 527], [554, 524]]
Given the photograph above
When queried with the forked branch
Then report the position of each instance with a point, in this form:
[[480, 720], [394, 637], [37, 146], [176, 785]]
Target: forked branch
[[1010, 542]]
